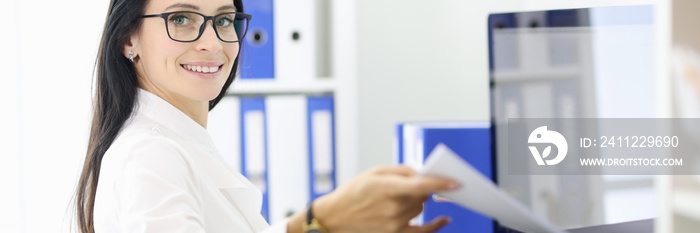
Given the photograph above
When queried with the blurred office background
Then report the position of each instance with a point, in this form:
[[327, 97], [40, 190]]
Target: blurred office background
[[388, 61]]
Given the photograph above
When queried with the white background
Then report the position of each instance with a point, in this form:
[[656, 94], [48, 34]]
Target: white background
[[45, 93]]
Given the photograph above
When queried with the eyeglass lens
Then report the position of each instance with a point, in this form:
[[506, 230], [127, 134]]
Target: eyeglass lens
[[186, 26]]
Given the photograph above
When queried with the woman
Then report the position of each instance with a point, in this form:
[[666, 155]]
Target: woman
[[151, 166]]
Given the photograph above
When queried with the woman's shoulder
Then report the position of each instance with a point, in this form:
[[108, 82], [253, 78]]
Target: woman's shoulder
[[144, 141]]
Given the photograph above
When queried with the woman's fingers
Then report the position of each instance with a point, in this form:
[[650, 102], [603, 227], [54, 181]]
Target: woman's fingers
[[430, 227], [420, 186], [404, 181], [381, 200], [409, 210], [395, 170]]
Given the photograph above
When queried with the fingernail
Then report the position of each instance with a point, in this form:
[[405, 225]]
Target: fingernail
[[438, 198], [452, 185]]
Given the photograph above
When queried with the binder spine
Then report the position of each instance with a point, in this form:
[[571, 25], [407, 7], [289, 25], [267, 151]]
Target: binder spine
[[288, 156], [257, 56], [254, 146], [398, 144], [321, 144]]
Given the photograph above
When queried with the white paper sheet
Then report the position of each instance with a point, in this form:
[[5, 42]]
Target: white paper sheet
[[480, 194]]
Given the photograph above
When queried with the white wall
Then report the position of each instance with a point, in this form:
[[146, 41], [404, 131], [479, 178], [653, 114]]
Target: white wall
[[9, 130], [45, 90], [420, 60]]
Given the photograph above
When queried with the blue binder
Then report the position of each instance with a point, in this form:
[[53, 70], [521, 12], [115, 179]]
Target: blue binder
[[398, 144], [257, 57], [254, 160], [470, 141], [321, 128]]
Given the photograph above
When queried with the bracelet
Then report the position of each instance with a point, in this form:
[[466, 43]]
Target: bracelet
[[312, 225]]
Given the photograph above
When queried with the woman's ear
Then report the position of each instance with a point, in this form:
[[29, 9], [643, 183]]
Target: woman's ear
[[131, 48]]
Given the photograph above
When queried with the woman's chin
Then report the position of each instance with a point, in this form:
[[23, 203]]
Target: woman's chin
[[209, 96], [214, 94]]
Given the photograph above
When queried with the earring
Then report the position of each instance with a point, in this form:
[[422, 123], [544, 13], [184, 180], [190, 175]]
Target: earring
[[131, 57]]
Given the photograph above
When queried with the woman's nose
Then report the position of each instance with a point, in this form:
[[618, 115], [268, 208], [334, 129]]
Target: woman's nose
[[209, 41]]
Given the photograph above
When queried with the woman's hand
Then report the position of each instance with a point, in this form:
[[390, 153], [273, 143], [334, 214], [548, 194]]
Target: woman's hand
[[383, 199]]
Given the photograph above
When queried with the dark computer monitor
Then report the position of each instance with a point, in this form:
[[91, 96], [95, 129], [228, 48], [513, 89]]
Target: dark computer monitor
[[574, 63]]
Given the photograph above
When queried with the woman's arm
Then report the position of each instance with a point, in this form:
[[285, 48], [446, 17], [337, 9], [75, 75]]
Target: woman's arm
[[295, 223], [383, 199]]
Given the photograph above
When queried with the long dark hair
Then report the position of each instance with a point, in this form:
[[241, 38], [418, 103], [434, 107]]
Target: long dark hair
[[115, 97]]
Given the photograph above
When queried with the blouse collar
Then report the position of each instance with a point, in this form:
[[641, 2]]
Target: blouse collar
[[167, 115]]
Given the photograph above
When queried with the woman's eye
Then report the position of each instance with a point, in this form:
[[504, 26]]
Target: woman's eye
[[180, 20], [223, 22]]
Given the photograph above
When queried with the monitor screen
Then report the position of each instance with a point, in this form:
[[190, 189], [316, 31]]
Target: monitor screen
[[574, 63]]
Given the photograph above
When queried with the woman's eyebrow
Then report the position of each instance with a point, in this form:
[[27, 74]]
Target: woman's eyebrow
[[190, 6], [182, 5], [227, 7]]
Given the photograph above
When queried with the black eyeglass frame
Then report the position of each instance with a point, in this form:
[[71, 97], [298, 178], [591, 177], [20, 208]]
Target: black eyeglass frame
[[201, 27]]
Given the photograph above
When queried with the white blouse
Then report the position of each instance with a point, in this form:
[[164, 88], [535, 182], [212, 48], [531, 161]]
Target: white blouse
[[164, 174]]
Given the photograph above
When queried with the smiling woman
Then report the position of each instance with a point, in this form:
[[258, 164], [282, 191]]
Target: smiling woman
[[139, 58], [151, 165], [177, 65]]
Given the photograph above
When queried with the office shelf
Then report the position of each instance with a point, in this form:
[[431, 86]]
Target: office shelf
[[273, 87], [555, 73]]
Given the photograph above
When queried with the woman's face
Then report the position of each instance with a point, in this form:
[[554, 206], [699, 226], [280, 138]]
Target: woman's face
[[194, 71]]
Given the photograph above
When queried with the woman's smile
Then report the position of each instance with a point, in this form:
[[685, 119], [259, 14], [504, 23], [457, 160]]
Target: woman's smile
[[207, 69]]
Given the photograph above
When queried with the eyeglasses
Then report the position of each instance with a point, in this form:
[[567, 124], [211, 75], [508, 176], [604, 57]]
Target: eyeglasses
[[188, 26]]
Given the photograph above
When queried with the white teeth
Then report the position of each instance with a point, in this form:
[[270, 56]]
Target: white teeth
[[202, 69]]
